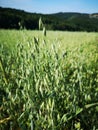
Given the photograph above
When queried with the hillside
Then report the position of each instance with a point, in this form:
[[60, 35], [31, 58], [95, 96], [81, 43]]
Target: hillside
[[13, 18]]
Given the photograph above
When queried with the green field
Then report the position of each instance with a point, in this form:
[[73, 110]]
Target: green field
[[48, 82]]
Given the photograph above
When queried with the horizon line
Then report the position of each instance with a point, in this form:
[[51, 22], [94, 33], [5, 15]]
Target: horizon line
[[48, 13]]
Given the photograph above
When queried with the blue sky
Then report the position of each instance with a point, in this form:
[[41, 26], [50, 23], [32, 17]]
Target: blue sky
[[53, 6]]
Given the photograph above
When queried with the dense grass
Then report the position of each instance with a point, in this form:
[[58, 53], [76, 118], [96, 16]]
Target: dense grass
[[48, 83], [66, 39]]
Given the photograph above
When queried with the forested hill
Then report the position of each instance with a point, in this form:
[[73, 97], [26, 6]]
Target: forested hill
[[13, 19]]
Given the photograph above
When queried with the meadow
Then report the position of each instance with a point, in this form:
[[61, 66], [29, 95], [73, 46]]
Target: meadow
[[48, 82]]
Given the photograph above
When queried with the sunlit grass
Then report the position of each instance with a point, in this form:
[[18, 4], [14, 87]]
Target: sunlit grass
[[48, 82]]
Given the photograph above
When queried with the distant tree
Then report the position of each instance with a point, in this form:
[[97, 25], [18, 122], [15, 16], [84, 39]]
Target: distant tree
[[19, 19]]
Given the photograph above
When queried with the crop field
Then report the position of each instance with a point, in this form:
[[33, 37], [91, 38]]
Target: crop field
[[48, 82]]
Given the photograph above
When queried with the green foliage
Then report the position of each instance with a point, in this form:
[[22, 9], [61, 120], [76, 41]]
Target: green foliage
[[44, 88], [58, 21]]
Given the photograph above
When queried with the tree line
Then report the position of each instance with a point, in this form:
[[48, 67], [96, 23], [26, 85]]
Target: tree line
[[19, 19]]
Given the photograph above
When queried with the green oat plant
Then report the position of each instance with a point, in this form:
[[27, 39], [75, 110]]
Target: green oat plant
[[44, 89]]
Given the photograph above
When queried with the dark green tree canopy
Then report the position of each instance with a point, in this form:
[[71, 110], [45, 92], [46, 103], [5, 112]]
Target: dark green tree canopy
[[16, 19]]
